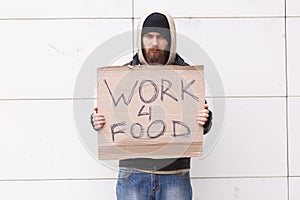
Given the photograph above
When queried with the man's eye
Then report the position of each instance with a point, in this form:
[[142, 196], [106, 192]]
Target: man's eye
[[161, 37]]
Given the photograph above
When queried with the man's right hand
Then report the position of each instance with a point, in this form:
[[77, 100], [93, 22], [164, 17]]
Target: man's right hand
[[98, 120]]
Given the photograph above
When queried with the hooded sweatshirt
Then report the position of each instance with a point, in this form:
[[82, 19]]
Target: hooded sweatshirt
[[173, 59]]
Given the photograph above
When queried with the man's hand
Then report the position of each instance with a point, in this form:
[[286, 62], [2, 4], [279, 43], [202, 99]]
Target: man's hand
[[98, 119], [203, 115]]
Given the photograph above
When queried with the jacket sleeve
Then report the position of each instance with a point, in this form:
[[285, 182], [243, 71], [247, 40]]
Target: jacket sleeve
[[207, 126], [91, 120]]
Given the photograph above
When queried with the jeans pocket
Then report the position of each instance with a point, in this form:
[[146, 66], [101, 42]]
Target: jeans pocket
[[124, 173]]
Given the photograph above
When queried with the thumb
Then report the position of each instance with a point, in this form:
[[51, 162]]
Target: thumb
[[96, 109], [205, 106]]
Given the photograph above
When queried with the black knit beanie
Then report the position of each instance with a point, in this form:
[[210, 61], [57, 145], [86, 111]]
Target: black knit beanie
[[157, 22]]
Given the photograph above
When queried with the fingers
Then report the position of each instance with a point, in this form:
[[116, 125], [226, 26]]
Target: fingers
[[98, 120], [201, 120], [203, 116]]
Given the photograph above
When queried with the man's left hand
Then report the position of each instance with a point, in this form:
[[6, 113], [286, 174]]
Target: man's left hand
[[203, 115]]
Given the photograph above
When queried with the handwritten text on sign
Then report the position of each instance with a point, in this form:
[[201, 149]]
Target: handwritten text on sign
[[150, 111]]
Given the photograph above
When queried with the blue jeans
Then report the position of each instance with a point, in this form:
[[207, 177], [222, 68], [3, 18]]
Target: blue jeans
[[136, 185]]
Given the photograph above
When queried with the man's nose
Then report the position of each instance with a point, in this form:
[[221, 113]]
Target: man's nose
[[154, 42]]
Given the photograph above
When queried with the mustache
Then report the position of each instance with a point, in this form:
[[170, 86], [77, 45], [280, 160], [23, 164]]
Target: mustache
[[155, 49]]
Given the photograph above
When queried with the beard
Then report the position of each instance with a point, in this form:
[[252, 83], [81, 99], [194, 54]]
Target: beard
[[158, 57]]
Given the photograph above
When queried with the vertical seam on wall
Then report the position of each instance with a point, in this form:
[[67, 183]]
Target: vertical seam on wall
[[132, 24], [286, 98]]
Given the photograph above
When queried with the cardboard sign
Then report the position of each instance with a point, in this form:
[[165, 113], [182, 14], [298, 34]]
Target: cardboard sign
[[150, 111]]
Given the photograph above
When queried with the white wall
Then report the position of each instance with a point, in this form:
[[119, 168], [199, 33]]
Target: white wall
[[253, 44]]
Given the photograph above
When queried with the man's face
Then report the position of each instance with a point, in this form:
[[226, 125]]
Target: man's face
[[155, 46]]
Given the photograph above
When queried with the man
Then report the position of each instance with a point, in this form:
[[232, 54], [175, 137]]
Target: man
[[144, 178]]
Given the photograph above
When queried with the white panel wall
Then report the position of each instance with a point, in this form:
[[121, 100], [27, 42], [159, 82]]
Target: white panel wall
[[294, 188], [65, 9], [249, 145], [294, 137], [240, 188], [43, 57], [58, 189], [244, 51], [293, 42], [48, 154], [41, 142], [293, 8], [213, 8]]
